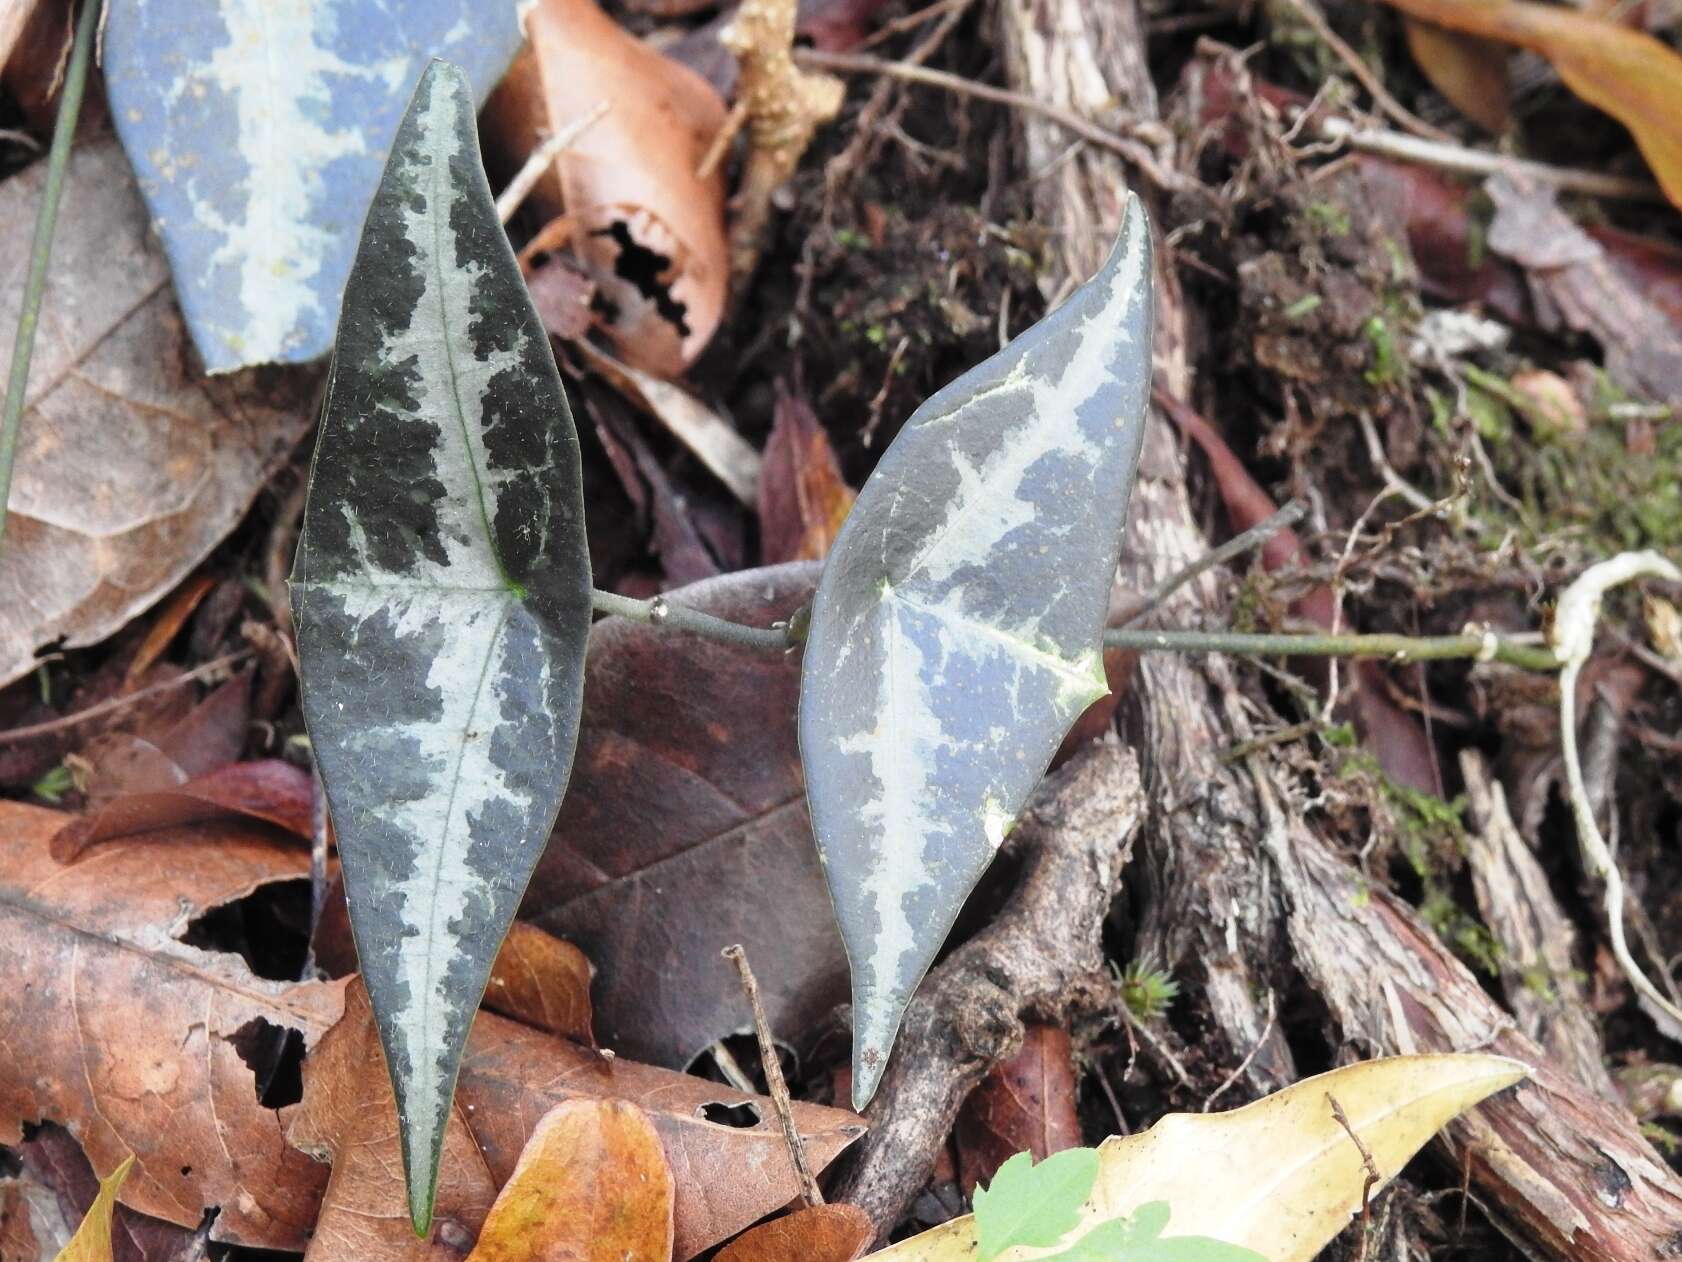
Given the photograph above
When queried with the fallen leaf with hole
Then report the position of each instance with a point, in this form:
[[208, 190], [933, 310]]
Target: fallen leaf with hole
[[130, 467], [815, 1233], [803, 499], [92, 1241], [1024, 1104], [259, 132], [348, 1117], [1280, 1176], [648, 230], [591, 1185], [687, 781], [1628, 73], [129, 1023]]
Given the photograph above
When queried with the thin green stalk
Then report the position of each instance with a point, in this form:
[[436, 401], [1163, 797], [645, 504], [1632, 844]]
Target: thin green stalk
[[660, 612], [1397, 648], [29, 317]]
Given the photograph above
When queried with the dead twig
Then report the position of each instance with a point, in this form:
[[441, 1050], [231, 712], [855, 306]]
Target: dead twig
[[1309, 12], [1373, 1178], [542, 158], [64, 722], [1041, 957], [774, 1082]]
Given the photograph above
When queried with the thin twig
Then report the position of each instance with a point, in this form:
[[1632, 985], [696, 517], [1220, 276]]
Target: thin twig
[[774, 1078], [1310, 13], [542, 158], [1238, 1070], [659, 612], [864, 63], [1484, 646], [1464, 161], [1373, 1176], [60, 724], [46, 221], [1235, 547]]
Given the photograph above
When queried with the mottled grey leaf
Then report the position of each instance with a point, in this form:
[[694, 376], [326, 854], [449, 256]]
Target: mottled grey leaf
[[955, 635], [258, 129], [442, 597]]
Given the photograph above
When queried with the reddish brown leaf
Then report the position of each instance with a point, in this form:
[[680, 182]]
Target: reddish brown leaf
[[267, 791], [1025, 1104], [687, 783], [1629, 74], [803, 499], [167, 625], [592, 1185], [817, 1233], [542, 981], [1395, 737], [348, 1117], [135, 1039], [562, 295], [648, 230]]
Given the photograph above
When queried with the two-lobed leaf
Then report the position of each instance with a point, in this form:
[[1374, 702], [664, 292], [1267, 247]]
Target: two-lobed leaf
[[442, 598], [955, 635]]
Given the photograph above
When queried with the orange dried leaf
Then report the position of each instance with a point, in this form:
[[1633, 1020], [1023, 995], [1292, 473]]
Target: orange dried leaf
[[818, 1233], [592, 1185], [543, 981], [1470, 72], [803, 499], [1629, 74], [648, 230]]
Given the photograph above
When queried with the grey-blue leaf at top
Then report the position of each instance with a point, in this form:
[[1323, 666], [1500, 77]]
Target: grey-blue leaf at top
[[955, 635], [442, 600], [258, 129]]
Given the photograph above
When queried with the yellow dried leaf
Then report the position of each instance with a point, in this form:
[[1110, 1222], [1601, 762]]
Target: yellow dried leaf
[[92, 1241]]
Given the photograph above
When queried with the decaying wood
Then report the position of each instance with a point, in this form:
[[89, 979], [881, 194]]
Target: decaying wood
[[1561, 1170], [1212, 916], [1042, 958], [1538, 971]]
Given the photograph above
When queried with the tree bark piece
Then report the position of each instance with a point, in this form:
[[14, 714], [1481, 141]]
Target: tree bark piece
[[1042, 958]]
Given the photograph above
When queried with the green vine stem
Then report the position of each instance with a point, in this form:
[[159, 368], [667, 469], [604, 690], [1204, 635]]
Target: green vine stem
[[35, 286]]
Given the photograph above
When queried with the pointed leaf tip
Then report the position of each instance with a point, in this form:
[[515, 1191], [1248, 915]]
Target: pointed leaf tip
[[955, 635], [442, 599]]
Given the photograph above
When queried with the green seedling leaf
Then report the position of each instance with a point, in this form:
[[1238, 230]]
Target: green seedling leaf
[[955, 633], [1033, 1205], [442, 599], [1279, 1177]]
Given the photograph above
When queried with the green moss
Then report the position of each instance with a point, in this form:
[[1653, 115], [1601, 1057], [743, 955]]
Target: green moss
[[1303, 306], [1388, 367], [1147, 992], [1328, 218]]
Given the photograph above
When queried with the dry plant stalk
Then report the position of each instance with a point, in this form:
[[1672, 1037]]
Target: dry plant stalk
[[784, 107]]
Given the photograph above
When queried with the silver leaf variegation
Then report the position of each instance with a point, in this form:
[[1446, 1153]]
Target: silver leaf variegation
[[955, 635], [442, 600]]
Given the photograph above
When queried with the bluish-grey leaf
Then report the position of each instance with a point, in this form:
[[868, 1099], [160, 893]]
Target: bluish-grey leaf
[[442, 599], [955, 634], [258, 129]]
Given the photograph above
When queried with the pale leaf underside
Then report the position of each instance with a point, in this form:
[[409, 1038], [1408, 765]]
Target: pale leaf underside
[[955, 635], [442, 601]]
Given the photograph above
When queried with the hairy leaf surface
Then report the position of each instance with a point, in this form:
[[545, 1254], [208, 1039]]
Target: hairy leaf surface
[[955, 635], [442, 596]]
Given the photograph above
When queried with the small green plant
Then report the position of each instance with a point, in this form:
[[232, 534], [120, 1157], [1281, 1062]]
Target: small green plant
[[1037, 1206], [1147, 992]]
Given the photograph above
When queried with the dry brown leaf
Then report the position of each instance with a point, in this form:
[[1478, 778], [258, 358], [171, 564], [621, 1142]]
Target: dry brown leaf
[[803, 499], [172, 616], [13, 15], [817, 1233], [1470, 72], [628, 184], [1574, 281], [592, 1185], [543, 981], [131, 466], [348, 1117], [134, 1038], [1629, 74], [1024, 1104]]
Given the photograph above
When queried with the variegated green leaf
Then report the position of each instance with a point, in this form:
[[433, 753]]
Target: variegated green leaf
[[442, 599], [955, 634]]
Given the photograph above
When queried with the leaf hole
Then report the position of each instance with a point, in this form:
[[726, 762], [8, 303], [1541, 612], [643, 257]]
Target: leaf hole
[[268, 929], [640, 266], [275, 1056], [741, 1116]]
